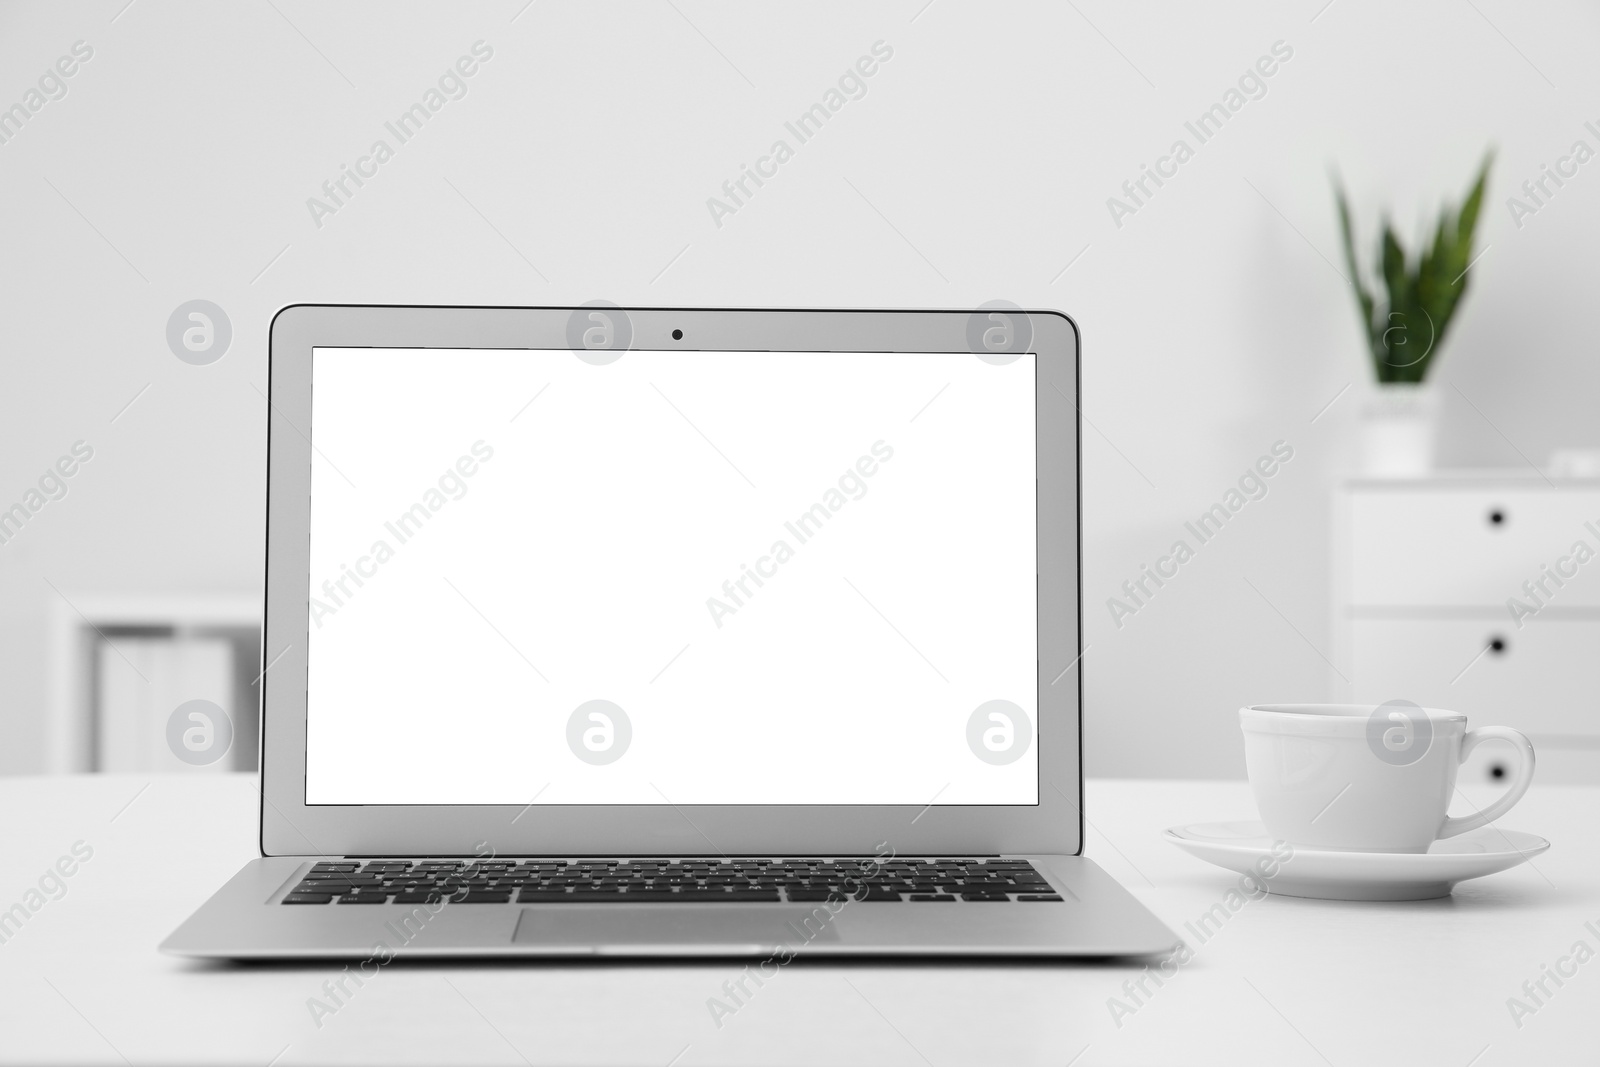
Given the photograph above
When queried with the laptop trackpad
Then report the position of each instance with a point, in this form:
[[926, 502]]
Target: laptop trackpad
[[677, 928]]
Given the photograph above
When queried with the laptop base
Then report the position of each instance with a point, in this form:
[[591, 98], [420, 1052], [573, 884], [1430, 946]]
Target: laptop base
[[1096, 917]]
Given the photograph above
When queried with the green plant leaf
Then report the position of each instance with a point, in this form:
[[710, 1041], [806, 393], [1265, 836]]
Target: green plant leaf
[[1364, 300], [1449, 282], [1393, 352], [1405, 333]]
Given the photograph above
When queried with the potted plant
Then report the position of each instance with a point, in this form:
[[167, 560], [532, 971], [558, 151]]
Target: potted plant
[[1405, 329]]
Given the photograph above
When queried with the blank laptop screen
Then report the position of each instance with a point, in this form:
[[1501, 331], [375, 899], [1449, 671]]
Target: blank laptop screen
[[675, 578]]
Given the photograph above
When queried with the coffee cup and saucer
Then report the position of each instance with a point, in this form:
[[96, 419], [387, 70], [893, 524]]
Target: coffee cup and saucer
[[1354, 804]]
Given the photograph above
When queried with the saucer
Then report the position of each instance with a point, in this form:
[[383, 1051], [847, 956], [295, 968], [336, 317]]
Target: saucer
[[1327, 875]]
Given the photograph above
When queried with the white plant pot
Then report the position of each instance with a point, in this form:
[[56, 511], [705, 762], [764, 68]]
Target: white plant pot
[[1398, 430]]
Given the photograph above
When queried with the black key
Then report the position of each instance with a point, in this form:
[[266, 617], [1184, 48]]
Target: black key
[[975, 897], [648, 897], [808, 896], [307, 898], [485, 896], [1051, 896], [418, 897], [929, 896], [877, 893], [364, 898]]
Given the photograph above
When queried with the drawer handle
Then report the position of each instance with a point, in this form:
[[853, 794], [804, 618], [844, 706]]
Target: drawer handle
[[1497, 516], [1499, 645]]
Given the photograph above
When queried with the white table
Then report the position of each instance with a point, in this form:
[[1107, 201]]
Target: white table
[[1284, 982]]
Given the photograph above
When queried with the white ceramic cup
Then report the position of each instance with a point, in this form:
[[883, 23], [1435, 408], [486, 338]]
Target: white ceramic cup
[[1367, 778]]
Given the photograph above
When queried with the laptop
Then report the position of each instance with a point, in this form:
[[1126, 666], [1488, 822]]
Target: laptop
[[671, 632]]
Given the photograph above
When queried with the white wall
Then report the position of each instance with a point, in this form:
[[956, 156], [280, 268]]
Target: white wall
[[1214, 322]]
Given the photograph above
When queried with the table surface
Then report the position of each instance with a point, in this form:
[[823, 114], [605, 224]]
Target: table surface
[[1285, 981]]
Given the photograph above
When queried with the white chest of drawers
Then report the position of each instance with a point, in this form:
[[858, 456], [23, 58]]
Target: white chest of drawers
[[1479, 593]]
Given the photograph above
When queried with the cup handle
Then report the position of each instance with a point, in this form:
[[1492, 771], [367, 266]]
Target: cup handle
[[1519, 784]]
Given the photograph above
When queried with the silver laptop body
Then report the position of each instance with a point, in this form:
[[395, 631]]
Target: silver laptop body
[[756, 591]]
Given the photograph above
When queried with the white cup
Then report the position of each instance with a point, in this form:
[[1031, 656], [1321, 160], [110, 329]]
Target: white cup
[[1366, 778]]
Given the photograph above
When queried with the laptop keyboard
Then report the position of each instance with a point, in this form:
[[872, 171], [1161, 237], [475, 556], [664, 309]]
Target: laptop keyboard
[[657, 881]]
